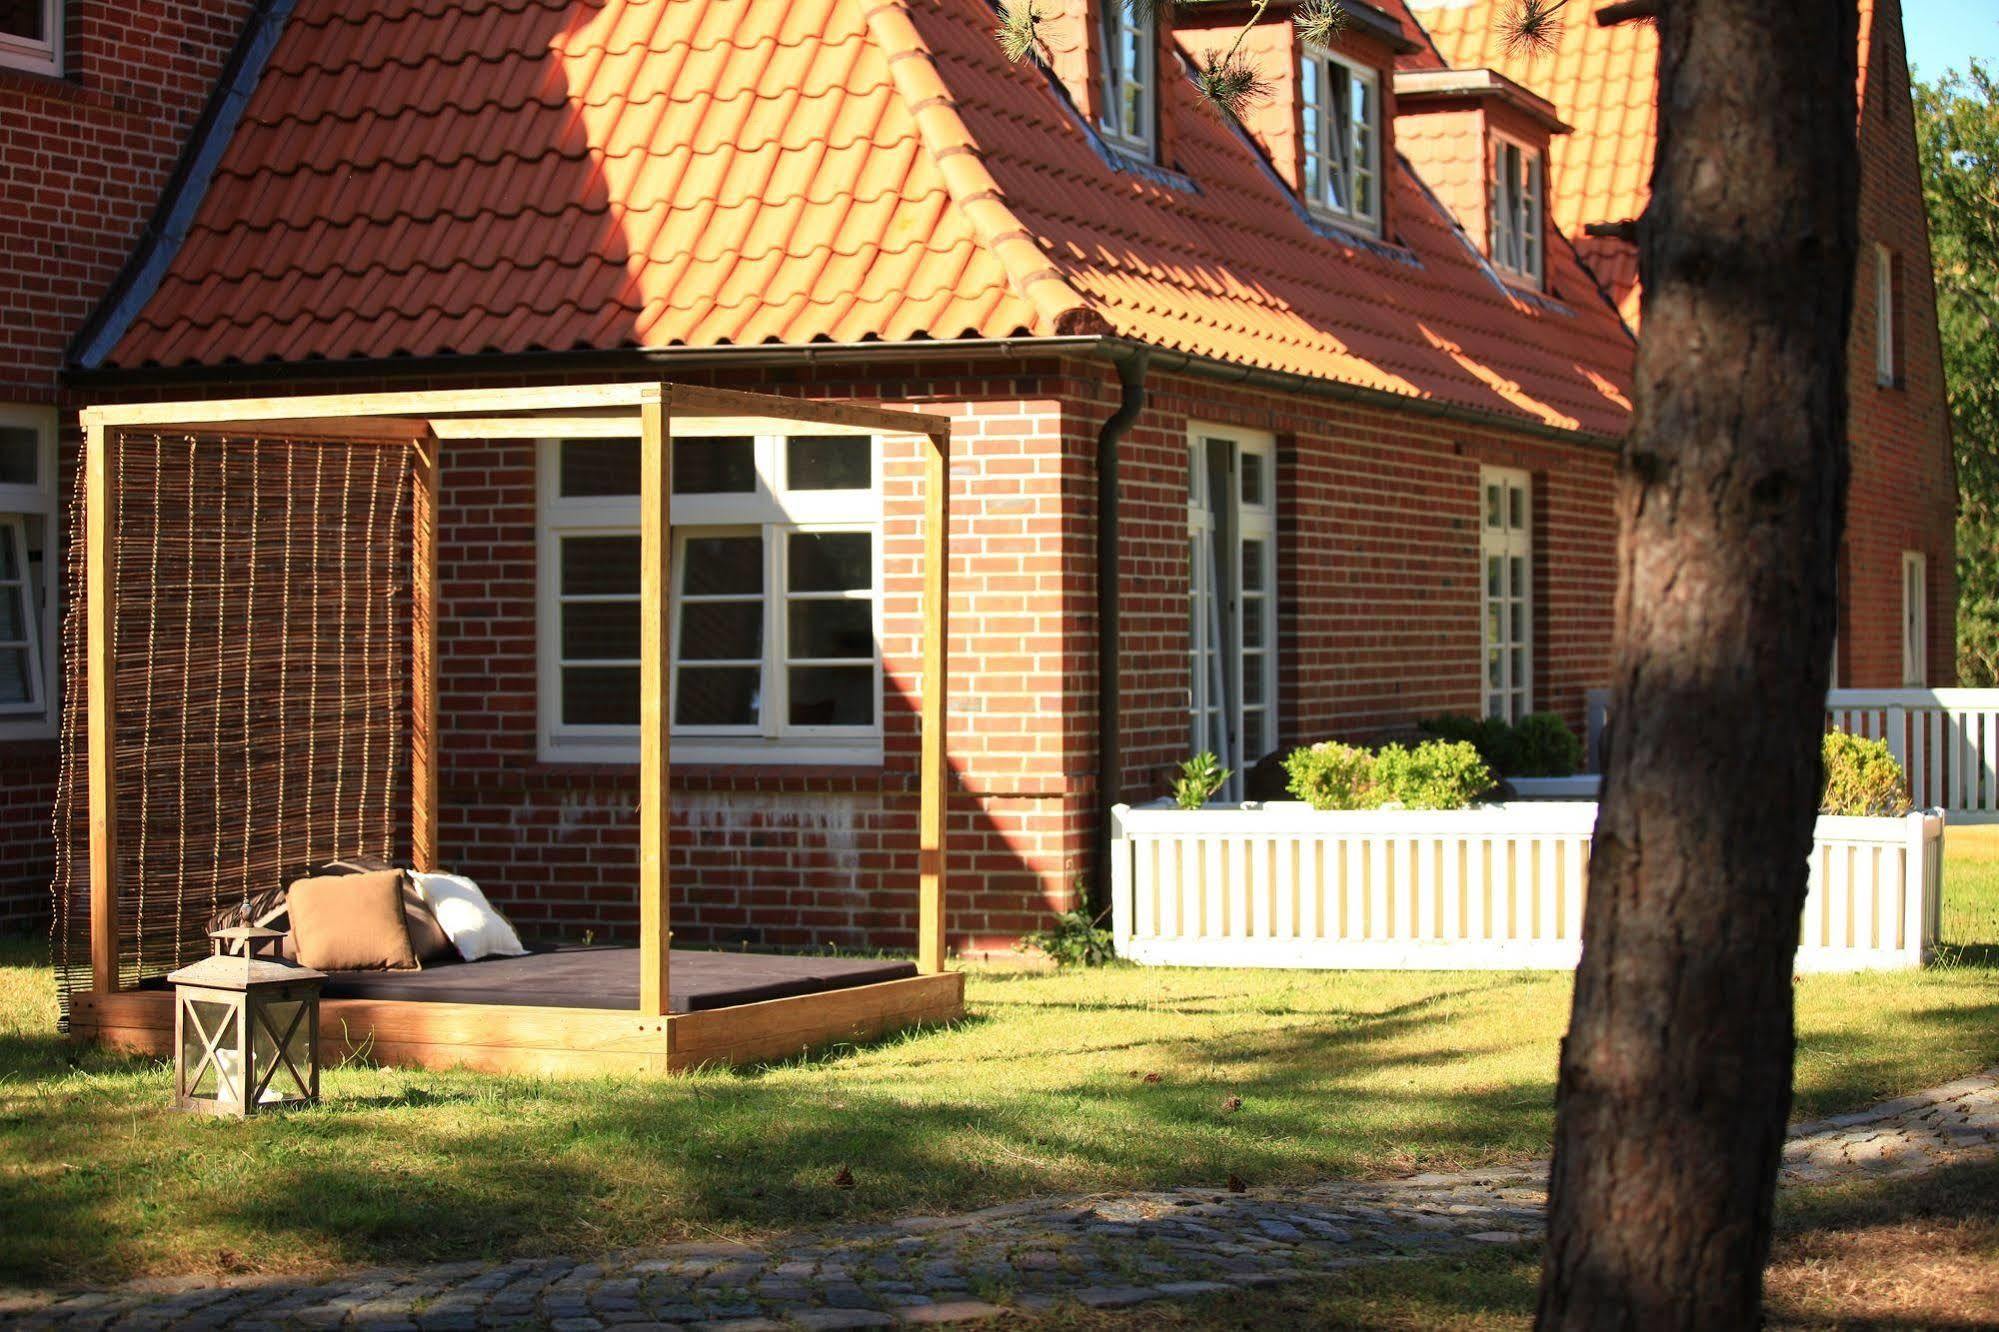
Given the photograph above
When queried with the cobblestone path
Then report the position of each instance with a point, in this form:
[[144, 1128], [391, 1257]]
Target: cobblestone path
[[1102, 1251]]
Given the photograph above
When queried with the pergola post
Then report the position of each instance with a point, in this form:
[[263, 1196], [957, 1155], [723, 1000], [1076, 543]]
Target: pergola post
[[100, 479], [934, 810], [655, 761], [424, 801]]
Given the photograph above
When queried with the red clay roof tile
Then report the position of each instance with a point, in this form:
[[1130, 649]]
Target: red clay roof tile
[[431, 177]]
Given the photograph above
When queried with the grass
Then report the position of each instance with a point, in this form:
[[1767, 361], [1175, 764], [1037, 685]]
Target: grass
[[1043, 1090]]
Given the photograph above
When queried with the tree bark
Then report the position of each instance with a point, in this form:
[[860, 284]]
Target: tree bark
[[1676, 1073]]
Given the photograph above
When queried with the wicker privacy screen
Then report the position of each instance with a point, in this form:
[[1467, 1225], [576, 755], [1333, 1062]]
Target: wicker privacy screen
[[263, 648]]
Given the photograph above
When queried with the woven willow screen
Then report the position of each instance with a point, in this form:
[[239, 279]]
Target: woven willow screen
[[262, 662]]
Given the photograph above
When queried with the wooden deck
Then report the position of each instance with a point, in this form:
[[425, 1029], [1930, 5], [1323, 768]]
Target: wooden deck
[[514, 1038]]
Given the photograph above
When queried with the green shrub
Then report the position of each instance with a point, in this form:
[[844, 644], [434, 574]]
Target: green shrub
[[1437, 774], [1200, 777], [1547, 747], [1494, 740], [1330, 775], [1076, 939], [1539, 745], [1861, 777]]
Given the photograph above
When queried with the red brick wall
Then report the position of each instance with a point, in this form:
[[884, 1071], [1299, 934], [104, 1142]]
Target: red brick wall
[[83, 160], [1378, 605], [1903, 495]]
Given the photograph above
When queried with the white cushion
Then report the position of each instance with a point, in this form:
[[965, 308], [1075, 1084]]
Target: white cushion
[[472, 924]]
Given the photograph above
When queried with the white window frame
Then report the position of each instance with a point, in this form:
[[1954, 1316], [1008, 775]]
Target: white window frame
[[773, 511], [1506, 689], [1884, 316], [1517, 210], [1915, 619], [44, 57], [39, 720], [1326, 124], [1216, 641], [1130, 126]]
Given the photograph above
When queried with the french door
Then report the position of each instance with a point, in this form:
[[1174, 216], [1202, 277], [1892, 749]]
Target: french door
[[1232, 599]]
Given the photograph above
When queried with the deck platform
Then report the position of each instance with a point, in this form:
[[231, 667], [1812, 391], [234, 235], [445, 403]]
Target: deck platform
[[459, 1016]]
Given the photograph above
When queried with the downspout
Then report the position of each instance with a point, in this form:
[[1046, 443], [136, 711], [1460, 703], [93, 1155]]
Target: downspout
[[1110, 712]]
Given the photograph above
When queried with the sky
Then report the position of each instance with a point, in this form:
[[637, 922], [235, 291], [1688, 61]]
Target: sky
[[1942, 33]]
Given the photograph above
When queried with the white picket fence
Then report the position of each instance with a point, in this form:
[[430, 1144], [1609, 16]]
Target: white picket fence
[[1947, 740], [1495, 888]]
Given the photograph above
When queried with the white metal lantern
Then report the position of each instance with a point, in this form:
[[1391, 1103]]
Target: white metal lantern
[[246, 1030]]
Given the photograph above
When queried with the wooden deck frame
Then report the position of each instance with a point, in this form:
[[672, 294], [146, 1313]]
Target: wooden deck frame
[[509, 1037]]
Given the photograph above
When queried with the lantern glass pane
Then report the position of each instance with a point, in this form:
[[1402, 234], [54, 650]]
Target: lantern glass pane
[[210, 1025], [285, 1081]]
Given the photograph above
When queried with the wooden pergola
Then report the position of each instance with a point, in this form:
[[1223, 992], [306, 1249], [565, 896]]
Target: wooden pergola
[[517, 1036]]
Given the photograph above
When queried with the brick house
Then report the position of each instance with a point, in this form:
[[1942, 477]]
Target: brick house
[[97, 101], [1336, 391]]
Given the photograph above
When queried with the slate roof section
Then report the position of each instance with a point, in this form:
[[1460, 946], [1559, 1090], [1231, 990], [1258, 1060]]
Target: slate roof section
[[424, 178]]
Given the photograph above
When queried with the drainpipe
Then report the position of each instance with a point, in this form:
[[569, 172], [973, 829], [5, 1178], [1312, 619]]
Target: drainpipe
[[1110, 712]]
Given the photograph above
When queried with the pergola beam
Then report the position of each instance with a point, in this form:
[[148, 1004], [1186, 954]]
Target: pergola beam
[[655, 670], [648, 411]]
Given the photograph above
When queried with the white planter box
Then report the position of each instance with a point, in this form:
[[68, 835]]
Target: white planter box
[[1499, 887]]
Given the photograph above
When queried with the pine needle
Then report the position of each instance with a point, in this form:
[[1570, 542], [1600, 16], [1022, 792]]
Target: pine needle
[[1533, 28], [1320, 21], [1019, 31], [1232, 82]]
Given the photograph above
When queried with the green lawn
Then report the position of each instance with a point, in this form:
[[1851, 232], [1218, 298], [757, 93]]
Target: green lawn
[[1042, 1090]]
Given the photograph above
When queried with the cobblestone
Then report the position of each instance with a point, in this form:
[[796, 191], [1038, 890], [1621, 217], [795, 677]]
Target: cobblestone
[[949, 1270]]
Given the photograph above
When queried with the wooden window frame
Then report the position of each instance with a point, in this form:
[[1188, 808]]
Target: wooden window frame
[[1116, 19], [1327, 123], [773, 511], [1517, 212], [1248, 520], [1915, 619], [37, 57], [1508, 541], [1887, 330], [18, 505]]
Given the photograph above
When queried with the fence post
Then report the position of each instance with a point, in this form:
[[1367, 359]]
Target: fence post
[[1121, 903], [1915, 888]]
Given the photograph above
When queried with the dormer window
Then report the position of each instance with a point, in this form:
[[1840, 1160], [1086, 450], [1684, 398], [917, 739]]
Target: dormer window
[[1517, 225], [1340, 137], [1129, 56]]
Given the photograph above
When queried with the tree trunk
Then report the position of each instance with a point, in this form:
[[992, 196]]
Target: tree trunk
[[1676, 1073]]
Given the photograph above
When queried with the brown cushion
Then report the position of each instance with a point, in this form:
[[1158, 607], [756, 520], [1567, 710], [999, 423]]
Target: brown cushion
[[352, 922], [427, 938]]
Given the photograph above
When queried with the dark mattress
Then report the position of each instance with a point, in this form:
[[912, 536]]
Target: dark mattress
[[608, 977]]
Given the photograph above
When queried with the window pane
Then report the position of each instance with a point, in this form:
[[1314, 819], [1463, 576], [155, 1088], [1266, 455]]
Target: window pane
[[832, 561], [1492, 667], [20, 448], [723, 566], [600, 631], [718, 696], [10, 564], [829, 462], [832, 696], [1518, 580], [714, 465], [832, 629], [1252, 682], [1252, 624], [600, 695], [1493, 584], [600, 566], [599, 467], [1253, 572], [23, 18], [14, 676], [722, 631], [1492, 511], [1516, 507], [1519, 622], [1252, 478]]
